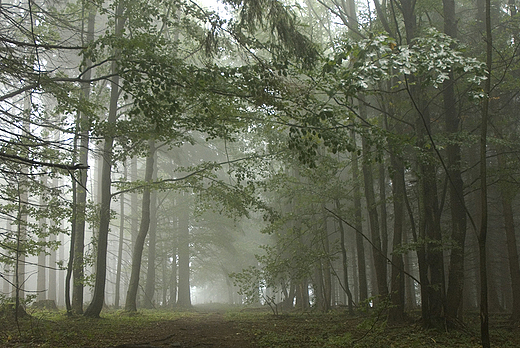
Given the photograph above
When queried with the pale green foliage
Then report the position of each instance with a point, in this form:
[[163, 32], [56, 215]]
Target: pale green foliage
[[361, 65]]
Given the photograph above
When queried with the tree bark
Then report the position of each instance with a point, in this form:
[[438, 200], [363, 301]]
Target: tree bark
[[173, 280], [184, 297], [484, 315], [344, 261], [514, 269], [360, 248], [98, 296], [325, 265], [150, 270], [81, 185], [384, 214], [133, 286], [396, 312], [379, 259], [120, 244], [41, 283], [456, 184], [430, 255]]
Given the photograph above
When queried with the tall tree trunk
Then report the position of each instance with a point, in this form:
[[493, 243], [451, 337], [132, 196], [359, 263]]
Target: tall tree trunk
[[379, 258], [173, 280], [484, 316], [411, 301], [122, 218], [41, 283], [419, 237], [507, 211], [430, 255], [325, 264], [133, 286], [134, 204], [184, 297], [150, 271], [344, 260], [456, 184], [98, 296], [358, 224], [53, 279], [384, 214], [164, 277], [431, 224], [396, 312], [22, 216], [83, 125], [61, 279], [21, 236]]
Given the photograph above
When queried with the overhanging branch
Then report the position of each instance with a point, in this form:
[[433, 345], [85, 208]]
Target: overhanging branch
[[30, 162]]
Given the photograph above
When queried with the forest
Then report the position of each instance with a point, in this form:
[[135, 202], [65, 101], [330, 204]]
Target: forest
[[312, 161]]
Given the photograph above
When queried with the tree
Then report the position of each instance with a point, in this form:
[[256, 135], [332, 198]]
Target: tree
[[98, 296], [456, 183], [131, 296], [83, 136], [484, 315]]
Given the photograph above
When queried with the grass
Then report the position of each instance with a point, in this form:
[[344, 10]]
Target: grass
[[56, 329], [336, 330], [331, 330]]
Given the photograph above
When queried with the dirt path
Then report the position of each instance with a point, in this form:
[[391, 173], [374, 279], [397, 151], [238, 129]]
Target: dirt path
[[204, 330]]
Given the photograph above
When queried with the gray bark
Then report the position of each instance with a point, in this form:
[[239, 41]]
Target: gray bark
[[131, 296], [98, 296]]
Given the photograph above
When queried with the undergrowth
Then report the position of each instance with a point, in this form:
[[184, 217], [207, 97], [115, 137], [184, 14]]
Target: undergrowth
[[56, 329], [331, 330]]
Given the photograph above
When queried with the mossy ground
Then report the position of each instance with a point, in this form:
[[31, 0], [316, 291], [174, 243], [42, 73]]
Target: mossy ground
[[231, 327]]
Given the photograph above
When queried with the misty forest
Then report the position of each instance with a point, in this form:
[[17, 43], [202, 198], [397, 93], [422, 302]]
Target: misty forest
[[259, 173]]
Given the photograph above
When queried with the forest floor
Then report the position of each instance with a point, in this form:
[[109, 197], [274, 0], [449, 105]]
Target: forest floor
[[219, 326]]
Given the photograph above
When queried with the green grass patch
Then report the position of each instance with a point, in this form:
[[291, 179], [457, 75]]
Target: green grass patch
[[56, 329], [259, 328]]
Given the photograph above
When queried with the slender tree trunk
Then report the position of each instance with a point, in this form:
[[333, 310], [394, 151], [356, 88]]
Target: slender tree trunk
[[360, 248], [379, 259], [42, 259], [22, 217], [396, 312], [325, 262], [430, 256], [484, 316], [131, 296], [122, 218], [134, 204], [53, 279], [184, 297], [384, 214], [411, 301], [165, 283], [410, 22], [19, 273], [98, 296], [150, 271], [21, 236], [456, 184], [514, 269], [173, 280], [431, 225], [344, 261], [81, 185]]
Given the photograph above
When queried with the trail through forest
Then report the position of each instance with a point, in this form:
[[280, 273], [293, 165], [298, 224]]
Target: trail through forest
[[200, 330], [241, 327]]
